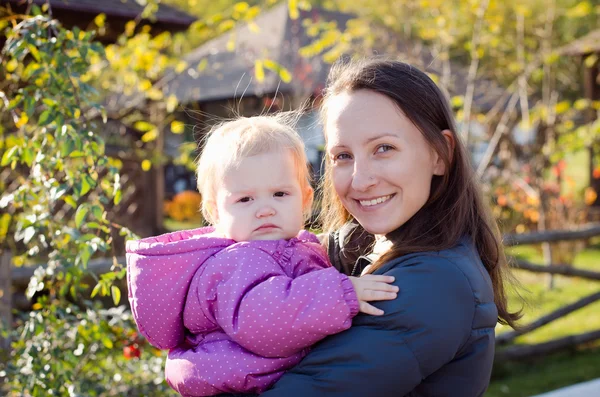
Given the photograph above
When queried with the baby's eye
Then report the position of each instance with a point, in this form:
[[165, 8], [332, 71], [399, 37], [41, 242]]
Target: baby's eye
[[384, 148], [245, 199], [280, 194]]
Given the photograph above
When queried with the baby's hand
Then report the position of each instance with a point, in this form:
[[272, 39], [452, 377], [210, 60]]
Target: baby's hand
[[372, 287]]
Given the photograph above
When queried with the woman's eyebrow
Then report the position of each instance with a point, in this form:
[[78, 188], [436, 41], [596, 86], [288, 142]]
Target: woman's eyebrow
[[384, 135]]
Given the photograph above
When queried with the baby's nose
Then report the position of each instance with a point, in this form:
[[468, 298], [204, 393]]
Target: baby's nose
[[264, 211]]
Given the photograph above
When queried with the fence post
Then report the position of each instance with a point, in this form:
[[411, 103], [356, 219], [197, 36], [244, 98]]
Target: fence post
[[5, 298]]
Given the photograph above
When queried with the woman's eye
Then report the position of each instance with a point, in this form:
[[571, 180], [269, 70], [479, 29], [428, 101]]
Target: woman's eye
[[384, 148], [341, 156], [245, 199], [280, 194]]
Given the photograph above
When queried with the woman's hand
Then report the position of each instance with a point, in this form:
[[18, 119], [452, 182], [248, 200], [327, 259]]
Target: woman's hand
[[372, 287]]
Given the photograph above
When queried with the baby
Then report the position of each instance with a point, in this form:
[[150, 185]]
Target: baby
[[240, 302]]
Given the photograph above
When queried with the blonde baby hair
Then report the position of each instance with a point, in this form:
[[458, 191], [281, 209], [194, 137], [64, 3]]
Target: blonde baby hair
[[229, 142]]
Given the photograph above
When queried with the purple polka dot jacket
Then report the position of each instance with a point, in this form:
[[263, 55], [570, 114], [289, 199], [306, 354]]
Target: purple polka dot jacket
[[234, 316]]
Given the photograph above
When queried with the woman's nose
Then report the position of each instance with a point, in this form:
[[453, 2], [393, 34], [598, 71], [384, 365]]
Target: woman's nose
[[264, 211], [363, 178]]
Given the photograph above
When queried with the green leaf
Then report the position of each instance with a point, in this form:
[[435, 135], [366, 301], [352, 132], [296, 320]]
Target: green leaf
[[97, 210], [96, 290], [118, 196], [87, 183], [116, 294], [107, 342], [69, 200], [8, 155], [27, 156], [85, 255], [46, 118], [80, 215]]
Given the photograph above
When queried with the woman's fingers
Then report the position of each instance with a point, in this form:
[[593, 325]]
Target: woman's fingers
[[364, 307]]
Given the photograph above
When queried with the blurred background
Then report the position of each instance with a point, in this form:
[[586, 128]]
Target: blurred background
[[103, 105]]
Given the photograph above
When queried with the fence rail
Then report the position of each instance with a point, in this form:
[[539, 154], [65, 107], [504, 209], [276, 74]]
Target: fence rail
[[19, 278]]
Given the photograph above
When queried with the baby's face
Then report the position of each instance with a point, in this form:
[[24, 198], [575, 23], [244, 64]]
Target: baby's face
[[261, 199]]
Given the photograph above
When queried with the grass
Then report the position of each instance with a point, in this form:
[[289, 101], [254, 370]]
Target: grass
[[562, 369]]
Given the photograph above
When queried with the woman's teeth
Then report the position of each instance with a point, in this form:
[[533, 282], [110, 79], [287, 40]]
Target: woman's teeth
[[379, 200]]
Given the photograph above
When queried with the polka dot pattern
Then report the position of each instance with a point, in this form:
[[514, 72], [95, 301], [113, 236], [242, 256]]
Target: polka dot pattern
[[235, 315]]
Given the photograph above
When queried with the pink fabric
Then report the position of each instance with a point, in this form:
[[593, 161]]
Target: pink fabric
[[235, 315]]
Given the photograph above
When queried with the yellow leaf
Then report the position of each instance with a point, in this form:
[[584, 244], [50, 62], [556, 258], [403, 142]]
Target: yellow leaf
[[285, 75], [582, 9], [231, 44], [143, 126], [581, 104], [171, 103], [293, 6], [22, 120], [259, 71], [11, 66], [202, 65], [146, 165], [155, 94], [562, 107], [241, 7], [129, 28], [145, 85], [150, 135], [77, 113], [457, 101], [99, 20], [181, 65], [177, 127], [254, 28]]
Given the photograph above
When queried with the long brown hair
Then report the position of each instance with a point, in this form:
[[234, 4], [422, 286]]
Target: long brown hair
[[455, 207]]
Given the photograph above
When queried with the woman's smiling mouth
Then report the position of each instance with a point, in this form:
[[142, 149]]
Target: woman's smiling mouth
[[374, 201]]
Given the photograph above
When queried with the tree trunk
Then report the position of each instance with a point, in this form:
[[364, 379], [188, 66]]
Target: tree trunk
[[5, 299]]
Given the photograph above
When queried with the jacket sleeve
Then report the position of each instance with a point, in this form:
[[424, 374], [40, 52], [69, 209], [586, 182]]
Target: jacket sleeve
[[269, 313], [421, 331]]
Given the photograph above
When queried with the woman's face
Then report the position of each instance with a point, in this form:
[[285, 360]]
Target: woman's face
[[382, 166]]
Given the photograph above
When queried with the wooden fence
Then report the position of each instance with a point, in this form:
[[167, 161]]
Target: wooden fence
[[20, 278]]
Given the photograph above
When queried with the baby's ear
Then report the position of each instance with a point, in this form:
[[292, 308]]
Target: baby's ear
[[308, 196], [210, 212]]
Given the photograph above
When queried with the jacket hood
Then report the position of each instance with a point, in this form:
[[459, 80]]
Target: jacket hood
[[159, 272]]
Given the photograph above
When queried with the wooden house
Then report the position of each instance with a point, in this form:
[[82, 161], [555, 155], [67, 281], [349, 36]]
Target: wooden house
[[81, 13], [220, 79]]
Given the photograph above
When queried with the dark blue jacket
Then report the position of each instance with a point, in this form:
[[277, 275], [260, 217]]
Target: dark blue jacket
[[436, 339]]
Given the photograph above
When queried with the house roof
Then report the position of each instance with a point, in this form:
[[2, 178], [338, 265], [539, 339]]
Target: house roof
[[584, 45], [129, 9], [230, 74]]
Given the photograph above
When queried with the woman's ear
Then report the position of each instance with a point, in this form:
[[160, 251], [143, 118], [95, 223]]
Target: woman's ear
[[439, 167]]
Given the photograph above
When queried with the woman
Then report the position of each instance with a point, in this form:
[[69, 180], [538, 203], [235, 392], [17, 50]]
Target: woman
[[396, 166]]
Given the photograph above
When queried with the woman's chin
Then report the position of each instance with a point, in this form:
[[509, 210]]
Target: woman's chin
[[378, 228]]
